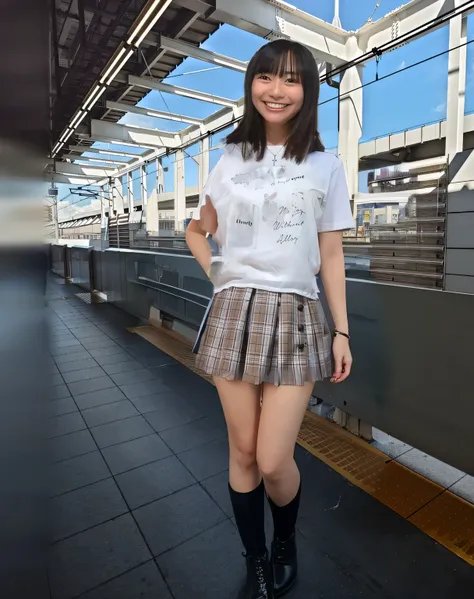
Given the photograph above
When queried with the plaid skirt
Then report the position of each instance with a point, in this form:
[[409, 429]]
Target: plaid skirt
[[265, 337]]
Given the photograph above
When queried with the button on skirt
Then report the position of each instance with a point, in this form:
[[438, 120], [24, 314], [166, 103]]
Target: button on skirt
[[265, 337]]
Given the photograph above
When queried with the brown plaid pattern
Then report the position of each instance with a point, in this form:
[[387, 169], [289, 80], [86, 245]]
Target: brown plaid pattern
[[261, 336]]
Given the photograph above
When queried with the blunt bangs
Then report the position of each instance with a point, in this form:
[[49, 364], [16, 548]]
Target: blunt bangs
[[270, 61]]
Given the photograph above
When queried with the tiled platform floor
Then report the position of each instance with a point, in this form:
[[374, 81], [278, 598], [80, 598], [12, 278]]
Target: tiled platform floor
[[139, 500]]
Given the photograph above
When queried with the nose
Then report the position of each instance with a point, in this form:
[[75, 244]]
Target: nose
[[276, 90]]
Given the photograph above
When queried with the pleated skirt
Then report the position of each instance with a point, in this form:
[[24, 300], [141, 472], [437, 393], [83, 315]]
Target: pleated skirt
[[261, 336]]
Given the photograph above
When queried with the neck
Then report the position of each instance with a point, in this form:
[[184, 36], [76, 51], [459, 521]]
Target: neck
[[277, 135]]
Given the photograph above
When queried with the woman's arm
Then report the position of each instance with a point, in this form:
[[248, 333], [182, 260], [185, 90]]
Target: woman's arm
[[333, 276], [199, 246], [196, 235]]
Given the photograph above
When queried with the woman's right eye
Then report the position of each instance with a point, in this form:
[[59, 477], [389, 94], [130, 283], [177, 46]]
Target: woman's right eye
[[262, 76]]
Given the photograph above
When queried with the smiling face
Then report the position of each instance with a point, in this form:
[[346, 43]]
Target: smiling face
[[277, 97], [281, 102]]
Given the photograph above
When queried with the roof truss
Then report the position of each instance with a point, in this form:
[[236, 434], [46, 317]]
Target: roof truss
[[270, 19]]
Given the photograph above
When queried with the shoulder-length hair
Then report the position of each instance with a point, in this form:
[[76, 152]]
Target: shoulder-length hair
[[277, 58]]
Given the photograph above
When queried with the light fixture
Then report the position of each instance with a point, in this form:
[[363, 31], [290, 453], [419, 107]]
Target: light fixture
[[111, 66], [143, 21], [119, 66], [66, 135], [93, 98], [80, 116]]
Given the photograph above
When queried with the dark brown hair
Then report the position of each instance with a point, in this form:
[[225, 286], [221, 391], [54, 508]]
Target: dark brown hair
[[304, 138]]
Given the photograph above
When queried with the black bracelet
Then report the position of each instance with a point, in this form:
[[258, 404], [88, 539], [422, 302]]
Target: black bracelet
[[336, 333]]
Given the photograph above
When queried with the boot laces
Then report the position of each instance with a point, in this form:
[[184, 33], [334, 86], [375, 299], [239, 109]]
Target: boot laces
[[280, 550], [259, 570]]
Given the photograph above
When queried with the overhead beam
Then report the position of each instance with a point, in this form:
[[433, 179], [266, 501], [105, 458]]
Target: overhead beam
[[140, 136], [417, 13], [73, 148], [278, 19], [87, 159], [148, 83], [184, 49], [71, 180], [159, 114], [107, 140], [215, 122], [67, 168], [198, 6]]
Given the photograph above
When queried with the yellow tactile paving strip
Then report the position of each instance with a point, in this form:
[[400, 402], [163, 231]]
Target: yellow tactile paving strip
[[440, 514]]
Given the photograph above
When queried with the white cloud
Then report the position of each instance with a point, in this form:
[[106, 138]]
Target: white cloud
[[402, 65], [440, 108]]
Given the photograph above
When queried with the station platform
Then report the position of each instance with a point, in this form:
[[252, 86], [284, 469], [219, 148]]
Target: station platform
[[139, 502]]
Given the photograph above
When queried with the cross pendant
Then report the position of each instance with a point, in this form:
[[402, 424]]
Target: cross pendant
[[274, 160]]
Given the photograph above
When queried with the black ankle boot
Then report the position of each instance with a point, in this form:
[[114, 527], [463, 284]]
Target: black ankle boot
[[259, 579], [284, 565]]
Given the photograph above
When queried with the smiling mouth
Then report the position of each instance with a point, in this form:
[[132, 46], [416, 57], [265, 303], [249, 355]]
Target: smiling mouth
[[275, 105]]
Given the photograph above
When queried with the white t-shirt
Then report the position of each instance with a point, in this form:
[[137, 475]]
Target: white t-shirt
[[270, 215]]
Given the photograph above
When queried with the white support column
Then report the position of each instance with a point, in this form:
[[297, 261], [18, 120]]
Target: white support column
[[179, 191], [160, 177], [143, 187], [103, 204], [456, 84], [203, 161], [56, 219], [130, 198], [350, 125], [117, 196]]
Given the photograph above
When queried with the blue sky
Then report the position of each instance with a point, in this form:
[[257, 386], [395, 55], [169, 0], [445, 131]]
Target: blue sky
[[407, 99]]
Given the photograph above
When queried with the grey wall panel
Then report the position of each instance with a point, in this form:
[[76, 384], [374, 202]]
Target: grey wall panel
[[58, 258], [80, 266], [459, 284], [460, 262], [460, 229], [412, 361], [97, 267], [137, 280], [461, 201]]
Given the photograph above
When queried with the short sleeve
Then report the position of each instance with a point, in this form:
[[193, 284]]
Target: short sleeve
[[337, 214], [208, 189]]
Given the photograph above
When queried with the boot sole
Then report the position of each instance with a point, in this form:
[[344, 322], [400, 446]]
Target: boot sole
[[286, 590]]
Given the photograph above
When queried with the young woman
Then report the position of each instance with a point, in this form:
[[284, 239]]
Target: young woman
[[276, 205]]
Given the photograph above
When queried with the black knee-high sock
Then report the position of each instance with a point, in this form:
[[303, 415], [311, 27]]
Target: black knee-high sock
[[249, 517], [284, 518]]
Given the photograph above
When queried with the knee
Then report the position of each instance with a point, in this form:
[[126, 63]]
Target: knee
[[244, 455], [271, 468]]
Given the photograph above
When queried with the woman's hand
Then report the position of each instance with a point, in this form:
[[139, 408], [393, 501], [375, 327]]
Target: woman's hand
[[342, 359], [208, 217]]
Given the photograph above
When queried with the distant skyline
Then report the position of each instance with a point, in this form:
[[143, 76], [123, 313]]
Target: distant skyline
[[404, 100]]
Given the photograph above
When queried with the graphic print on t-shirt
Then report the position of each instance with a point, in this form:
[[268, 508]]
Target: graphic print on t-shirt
[[243, 226], [291, 219], [286, 205]]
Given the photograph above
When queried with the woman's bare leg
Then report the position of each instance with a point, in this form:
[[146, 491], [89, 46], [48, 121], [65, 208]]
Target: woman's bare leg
[[241, 404], [280, 421]]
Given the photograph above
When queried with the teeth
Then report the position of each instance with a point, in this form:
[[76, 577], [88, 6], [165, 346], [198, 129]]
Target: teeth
[[273, 105]]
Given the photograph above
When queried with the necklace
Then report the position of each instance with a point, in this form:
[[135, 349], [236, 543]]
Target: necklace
[[275, 155]]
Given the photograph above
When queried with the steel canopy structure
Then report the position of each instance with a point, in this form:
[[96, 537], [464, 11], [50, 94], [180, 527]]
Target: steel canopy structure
[[125, 80]]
